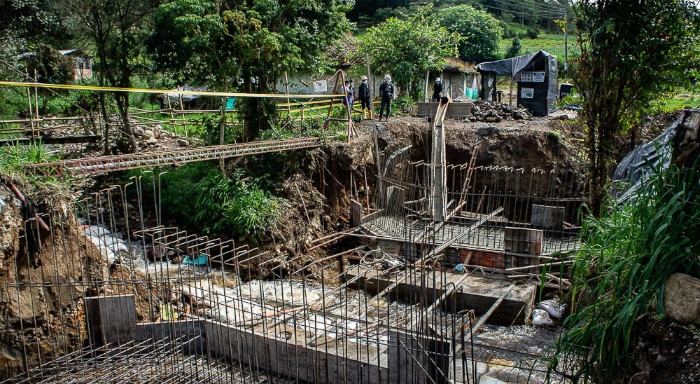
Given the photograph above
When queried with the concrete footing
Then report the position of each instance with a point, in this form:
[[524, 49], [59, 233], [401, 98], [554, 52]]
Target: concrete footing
[[406, 357], [477, 293]]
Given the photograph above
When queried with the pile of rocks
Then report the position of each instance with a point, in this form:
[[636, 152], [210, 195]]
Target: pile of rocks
[[150, 136], [494, 112]]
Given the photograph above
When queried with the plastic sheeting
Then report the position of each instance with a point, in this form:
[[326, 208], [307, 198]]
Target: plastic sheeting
[[543, 104], [510, 66], [638, 164]]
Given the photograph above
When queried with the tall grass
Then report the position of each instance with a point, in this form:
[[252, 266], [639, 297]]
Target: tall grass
[[14, 158], [619, 274]]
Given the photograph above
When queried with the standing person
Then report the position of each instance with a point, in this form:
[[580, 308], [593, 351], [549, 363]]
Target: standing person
[[386, 91], [363, 95], [346, 89], [437, 90], [351, 94]]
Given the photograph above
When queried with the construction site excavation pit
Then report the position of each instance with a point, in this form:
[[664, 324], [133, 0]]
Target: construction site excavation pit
[[435, 282]]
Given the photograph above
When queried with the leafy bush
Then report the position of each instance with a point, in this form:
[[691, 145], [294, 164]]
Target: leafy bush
[[403, 105], [619, 274], [480, 31], [514, 49], [237, 204], [532, 33]]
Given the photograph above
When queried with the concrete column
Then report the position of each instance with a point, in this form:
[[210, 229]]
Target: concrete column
[[110, 319], [438, 198], [419, 360]]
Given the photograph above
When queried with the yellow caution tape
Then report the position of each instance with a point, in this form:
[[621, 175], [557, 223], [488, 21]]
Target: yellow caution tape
[[307, 103], [159, 91]]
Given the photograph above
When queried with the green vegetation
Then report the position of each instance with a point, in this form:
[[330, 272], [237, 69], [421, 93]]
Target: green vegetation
[[197, 195], [514, 49], [399, 47], [235, 204], [619, 274], [626, 61], [13, 158], [479, 31], [550, 42]]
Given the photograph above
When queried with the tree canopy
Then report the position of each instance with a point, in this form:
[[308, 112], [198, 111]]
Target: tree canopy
[[407, 49], [480, 31], [631, 53], [247, 46], [26, 24]]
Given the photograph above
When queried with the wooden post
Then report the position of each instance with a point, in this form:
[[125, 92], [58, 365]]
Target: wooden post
[[29, 103], [510, 98], [286, 88], [182, 109], [170, 108], [370, 82], [36, 98], [222, 127]]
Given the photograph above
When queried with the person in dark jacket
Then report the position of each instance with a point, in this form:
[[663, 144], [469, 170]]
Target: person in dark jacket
[[437, 90], [363, 96], [386, 91]]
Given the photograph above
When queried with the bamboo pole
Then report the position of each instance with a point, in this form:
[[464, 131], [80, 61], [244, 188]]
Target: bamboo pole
[[182, 110], [29, 103], [36, 97]]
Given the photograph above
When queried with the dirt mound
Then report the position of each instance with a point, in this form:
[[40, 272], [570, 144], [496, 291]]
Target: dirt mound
[[41, 301], [538, 143], [667, 352]]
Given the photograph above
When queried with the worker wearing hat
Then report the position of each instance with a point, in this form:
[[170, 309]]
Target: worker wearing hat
[[386, 91], [437, 90], [364, 97]]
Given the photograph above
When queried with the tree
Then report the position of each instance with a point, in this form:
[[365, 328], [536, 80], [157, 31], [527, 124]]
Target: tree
[[246, 46], [369, 7], [24, 24], [116, 29], [481, 32], [631, 52], [51, 67], [514, 49], [407, 49]]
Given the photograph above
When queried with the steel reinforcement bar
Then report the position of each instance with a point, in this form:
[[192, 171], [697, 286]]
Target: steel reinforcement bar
[[106, 164]]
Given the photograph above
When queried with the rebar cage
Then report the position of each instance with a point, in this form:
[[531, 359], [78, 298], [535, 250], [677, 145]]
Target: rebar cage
[[101, 291]]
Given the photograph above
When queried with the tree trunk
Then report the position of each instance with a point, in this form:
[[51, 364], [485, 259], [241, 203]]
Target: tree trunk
[[127, 130], [105, 122]]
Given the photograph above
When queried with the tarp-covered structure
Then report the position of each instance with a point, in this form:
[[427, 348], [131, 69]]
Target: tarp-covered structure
[[536, 75]]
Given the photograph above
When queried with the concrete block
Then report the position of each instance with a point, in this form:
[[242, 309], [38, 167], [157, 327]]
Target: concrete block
[[322, 364], [110, 319], [188, 333], [355, 213], [418, 359], [547, 217]]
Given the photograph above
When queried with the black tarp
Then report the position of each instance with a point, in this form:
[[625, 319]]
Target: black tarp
[[637, 165], [538, 89]]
